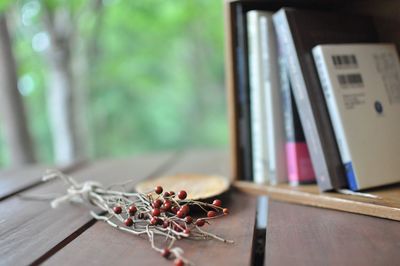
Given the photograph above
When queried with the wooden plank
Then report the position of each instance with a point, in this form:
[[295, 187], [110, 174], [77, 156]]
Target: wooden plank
[[232, 87], [302, 235], [16, 180], [31, 230], [386, 205], [104, 245]]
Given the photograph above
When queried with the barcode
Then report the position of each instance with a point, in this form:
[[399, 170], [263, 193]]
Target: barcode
[[350, 80], [344, 61]]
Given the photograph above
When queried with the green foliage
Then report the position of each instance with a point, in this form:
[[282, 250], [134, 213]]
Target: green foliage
[[154, 60], [156, 76], [4, 5]]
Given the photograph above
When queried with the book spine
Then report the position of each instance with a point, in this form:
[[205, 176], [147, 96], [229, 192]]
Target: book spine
[[243, 97], [334, 114], [273, 107], [299, 166], [299, 163], [259, 149], [271, 163], [325, 178]]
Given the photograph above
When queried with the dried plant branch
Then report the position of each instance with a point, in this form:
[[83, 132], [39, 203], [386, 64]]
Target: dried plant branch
[[153, 214]]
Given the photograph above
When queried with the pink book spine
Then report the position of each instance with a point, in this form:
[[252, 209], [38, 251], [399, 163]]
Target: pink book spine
[[300, 169]]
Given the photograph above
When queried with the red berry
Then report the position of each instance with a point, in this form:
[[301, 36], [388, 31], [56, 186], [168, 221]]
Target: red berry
[[175, 209], [172, 194], [185, 209], [158, 189], [132, 209], [188, 219], [156, 212], [179, 262], [225, 211], [165, 224], [200, 222], [167, 205], [117, 209], [166, 194], [157, 203], [166, 252], [186, 231], [182, 195], [217, 202], [153, 220], [180, 214], [128, 222], [211, 214]]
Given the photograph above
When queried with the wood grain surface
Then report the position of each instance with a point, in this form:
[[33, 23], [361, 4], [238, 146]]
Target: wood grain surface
[[16, 180], [104, 245], [302, 235], [386, 205], [31, 230], [32, 233]]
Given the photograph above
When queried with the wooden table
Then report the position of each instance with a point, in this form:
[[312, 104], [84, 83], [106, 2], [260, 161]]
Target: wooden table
[[33, 233]]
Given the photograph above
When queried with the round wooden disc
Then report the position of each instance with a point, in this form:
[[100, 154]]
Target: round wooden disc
[[197, 186]]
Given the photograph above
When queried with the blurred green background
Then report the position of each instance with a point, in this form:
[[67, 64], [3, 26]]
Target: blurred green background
[[155, 75]]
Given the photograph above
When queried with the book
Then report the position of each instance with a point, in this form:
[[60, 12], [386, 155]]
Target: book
[[300, 31], [299, 166], [273, 102], [361, 85], [257, 98], [243, 101], [268, 143]]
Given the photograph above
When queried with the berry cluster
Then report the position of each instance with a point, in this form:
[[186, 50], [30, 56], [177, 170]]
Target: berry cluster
[[168, 213]]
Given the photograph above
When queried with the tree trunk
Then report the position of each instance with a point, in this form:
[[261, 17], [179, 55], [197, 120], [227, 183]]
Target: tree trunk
[[12, 110], [67, 117], [59, 103]]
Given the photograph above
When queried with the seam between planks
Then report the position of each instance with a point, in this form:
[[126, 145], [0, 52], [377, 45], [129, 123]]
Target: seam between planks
[[168, 163], [260, 233], [63, 243], [67, 169]]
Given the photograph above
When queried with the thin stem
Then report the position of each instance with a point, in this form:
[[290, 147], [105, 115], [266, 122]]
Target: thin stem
[[107, 199]]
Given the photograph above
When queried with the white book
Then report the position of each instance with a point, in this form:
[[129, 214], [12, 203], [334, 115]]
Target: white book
[[257, 99], [361, 84], [273, 99], [265, 98]]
